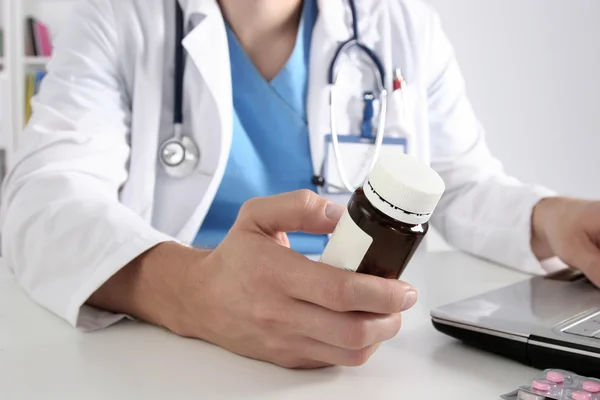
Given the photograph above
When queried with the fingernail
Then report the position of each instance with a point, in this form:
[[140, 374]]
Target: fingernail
[[334, 211], [410, 299]]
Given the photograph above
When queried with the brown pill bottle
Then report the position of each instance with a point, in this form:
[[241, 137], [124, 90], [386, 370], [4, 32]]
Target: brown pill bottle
[[386, 219]]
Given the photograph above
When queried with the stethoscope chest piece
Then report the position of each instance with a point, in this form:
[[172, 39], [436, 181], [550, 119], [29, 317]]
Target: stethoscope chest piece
[[179, 156]]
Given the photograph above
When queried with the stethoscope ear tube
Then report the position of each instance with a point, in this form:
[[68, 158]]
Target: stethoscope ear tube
[[372, 57], [334, 139], [379, 72], [334, 135]]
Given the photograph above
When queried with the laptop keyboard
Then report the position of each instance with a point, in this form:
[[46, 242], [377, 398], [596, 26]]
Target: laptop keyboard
[[588, 327]]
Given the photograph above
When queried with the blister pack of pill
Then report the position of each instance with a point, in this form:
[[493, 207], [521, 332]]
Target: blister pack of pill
[[558, 384]]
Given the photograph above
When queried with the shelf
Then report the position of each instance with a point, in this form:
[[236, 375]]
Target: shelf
[[17, 63], [37, 61]]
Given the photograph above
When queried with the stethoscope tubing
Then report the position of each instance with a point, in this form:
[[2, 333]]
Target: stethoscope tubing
[[189, 147], [179, 70], [333, 73]]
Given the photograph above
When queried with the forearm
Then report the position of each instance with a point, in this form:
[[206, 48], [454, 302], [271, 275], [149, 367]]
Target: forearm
[[493, 220], [148, 287]]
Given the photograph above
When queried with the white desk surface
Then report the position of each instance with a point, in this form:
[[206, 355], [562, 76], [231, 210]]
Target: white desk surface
[[41, 357]]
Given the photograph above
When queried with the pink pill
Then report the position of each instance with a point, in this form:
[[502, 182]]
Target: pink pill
[[555, 376], [581, 395], [591, 386], [541, 385]]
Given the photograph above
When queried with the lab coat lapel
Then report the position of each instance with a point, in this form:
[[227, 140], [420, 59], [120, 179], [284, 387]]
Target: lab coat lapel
[[330, 30], [138, 192], [207, 47], [208, 106]]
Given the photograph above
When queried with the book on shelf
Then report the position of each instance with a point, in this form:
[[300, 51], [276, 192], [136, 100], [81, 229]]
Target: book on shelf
[[2, 165], [32, 86], [38, 42], [1, 49]]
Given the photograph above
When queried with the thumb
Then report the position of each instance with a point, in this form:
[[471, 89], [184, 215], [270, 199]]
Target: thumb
[[302, 210], [586, 258]]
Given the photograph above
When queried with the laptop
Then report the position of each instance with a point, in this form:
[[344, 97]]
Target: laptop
[[544, 322]]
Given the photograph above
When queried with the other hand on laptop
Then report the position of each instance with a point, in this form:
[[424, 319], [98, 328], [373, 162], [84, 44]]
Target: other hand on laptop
[[570, 229]]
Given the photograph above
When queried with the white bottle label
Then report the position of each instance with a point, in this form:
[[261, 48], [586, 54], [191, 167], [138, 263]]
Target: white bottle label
[[347, 246]]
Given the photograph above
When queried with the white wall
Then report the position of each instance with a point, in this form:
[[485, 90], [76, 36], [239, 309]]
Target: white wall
[[533, 74]]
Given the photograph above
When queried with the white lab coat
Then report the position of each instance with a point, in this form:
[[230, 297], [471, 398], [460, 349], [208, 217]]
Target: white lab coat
[[82, 200]]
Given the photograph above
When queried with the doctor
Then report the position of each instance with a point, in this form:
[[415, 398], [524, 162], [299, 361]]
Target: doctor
[[97, 224]]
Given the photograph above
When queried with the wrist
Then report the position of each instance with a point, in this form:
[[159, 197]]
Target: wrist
[[544, 212], [156, 288], [148, 287]]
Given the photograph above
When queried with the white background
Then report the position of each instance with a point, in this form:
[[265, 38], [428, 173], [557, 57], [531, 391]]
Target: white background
[[533, 75]]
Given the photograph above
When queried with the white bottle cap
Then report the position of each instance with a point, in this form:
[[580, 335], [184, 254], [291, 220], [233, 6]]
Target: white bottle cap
[[404, 188]]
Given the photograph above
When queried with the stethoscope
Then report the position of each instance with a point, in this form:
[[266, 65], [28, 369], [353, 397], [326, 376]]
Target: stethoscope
[[180, 155], [379, 73]]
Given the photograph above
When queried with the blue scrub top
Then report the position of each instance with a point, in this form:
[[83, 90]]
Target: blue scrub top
[[270, 151]]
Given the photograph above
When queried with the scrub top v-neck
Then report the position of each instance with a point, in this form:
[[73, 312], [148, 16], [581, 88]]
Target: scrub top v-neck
[[270, 151]]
